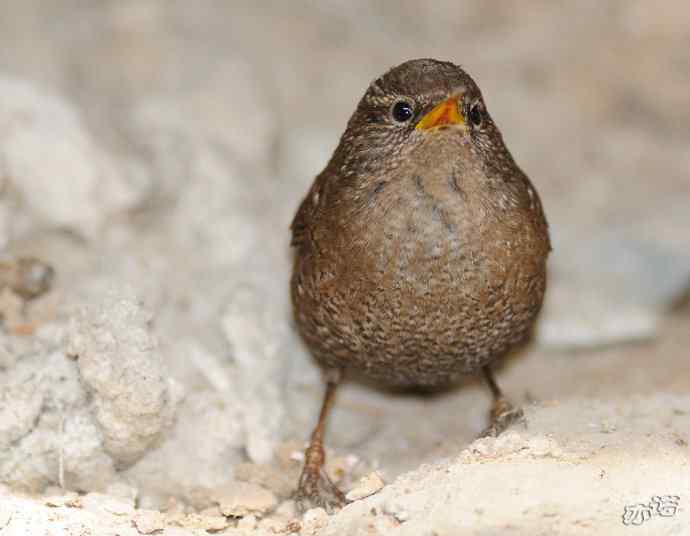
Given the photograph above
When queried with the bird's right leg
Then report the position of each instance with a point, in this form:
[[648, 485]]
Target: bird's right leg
[[315, 489], [503, 413]]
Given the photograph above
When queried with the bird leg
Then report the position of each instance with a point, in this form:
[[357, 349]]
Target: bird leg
[[503, 413], [315, 488]]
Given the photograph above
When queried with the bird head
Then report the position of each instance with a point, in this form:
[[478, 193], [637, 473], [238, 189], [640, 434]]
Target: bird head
[[418, 102]]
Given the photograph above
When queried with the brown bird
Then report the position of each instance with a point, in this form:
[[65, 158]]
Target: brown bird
[[420, 250]]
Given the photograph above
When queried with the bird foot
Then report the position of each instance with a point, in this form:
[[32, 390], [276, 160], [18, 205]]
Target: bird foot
[[316, 490], [503, 415]]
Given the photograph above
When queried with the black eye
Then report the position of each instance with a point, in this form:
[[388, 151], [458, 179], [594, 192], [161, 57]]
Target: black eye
[[402, 111], [475, 114]]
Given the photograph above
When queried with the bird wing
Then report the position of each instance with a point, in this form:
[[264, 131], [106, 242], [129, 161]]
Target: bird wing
[[300, 223]]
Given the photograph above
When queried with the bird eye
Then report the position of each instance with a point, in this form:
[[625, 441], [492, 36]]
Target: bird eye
[[475, 115], [402, 111]]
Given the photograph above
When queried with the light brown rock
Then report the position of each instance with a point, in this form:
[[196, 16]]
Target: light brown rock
[[148, 521], [239, 499], [202, 522], [368, 485]]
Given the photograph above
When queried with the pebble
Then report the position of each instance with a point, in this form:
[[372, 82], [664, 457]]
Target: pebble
[[148, 521], [207, 523], [239, 499], [368, 485], [247, 523], [99, 503], [69, 499], [313, 520]]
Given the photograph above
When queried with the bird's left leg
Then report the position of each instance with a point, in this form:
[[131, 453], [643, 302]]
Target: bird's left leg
[[315, 488], [503, 413]]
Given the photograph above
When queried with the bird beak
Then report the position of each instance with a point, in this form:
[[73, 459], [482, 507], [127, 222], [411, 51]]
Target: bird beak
[[445, 113]]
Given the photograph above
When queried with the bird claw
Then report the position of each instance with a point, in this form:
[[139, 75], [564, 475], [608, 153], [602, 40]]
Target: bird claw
[[503, 415], [317, 491]]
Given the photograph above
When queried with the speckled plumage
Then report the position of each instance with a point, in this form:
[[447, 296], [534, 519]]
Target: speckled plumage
[[419, 255]]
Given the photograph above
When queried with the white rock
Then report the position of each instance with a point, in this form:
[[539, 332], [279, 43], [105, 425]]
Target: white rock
[[313, 520], [100, 503], [200, 451], [63, 177], [148, 521], [61, 440], [368, 485], [20, 405], [120, 364], [85, 463], [257, 330]]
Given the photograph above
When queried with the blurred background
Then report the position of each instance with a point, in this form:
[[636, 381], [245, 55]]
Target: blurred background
[[154, 152]]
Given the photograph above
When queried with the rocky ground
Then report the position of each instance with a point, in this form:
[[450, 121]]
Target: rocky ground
[[153, 153]]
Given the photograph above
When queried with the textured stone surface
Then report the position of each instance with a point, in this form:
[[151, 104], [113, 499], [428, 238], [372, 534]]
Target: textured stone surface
[[53, 165], [123, 374], [239, 499]]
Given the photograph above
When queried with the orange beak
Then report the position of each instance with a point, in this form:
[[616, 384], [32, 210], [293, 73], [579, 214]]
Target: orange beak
[[445, 113]]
